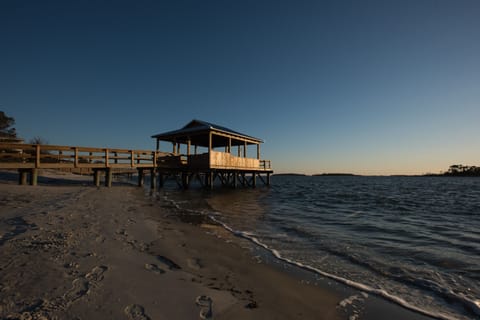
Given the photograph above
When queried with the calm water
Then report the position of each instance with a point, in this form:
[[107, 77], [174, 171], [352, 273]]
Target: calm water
[[415, 241]]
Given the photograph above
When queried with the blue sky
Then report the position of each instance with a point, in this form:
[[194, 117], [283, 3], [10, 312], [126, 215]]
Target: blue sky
[[371, 87]]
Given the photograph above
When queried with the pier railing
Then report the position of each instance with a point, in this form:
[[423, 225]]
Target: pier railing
[[265, 164], [212, 160], [36, 156]]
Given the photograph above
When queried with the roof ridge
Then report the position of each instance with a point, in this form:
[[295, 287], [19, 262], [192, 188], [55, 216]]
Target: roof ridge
[[197, 124]]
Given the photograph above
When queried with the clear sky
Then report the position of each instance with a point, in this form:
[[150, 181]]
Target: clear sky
[[370, 87]]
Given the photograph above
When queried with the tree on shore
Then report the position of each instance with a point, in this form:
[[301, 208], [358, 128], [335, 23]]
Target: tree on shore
[[37, 140], [6, 123], [461, 170]]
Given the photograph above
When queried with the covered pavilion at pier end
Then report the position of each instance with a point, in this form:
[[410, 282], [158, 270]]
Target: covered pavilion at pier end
[[207, 152]]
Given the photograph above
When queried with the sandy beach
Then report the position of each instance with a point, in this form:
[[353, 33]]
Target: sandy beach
[[73, 251]]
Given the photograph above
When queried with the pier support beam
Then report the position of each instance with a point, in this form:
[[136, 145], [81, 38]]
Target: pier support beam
[[22, 177], [96, 178], [153, 179], [33, 177], [108, 177], [234, 178], [28, 175], [209, 177], [254, 180], [141, 177], [185, 180], [161, 179]]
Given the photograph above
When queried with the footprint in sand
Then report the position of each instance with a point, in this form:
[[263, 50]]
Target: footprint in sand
[[80, 286], [154, 268], [206, 303], [96, 274], [79, 289], [136, 312]]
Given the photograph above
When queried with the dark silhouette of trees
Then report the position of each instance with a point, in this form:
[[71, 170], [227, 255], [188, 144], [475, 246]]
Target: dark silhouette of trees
[[6, 123], [463, 171]]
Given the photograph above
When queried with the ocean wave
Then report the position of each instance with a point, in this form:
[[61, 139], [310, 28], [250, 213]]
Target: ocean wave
[[472, 305]]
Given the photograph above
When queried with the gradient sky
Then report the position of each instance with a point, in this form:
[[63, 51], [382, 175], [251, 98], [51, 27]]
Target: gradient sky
[[370, 87]]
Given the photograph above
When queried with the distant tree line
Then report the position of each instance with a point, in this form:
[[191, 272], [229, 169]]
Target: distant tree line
[[463, 171]]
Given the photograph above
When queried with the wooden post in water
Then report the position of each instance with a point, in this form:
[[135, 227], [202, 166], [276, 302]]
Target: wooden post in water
[[141, 177], [153, 179], [161, 181], [234, 178], [185, 180], [209, 180]]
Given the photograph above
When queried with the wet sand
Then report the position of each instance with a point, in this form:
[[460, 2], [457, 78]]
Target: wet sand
[[73, 251]]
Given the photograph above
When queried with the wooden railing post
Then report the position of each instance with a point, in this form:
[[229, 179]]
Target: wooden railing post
[[37, 156], [75, 153], [132, 158], [106, 158]]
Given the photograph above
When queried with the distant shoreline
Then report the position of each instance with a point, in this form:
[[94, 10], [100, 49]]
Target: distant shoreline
[[446, 174]]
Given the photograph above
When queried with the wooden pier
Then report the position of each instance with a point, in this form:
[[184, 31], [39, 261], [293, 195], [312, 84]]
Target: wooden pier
[[206, 164], [28, 159]]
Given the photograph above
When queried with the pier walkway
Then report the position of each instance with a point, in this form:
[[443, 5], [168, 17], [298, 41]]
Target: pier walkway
[[28, 159]]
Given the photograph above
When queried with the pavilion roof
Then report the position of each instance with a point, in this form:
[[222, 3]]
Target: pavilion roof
[[198, 133]]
